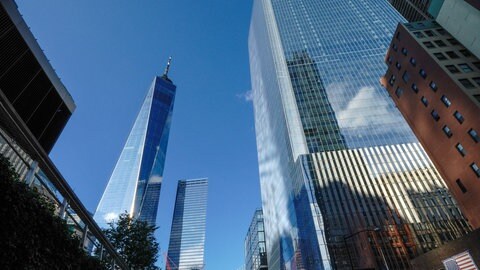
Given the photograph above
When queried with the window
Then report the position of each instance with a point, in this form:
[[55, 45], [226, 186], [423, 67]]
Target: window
[[452, 55], [447, 131], [414, 88], [394, 46], [433, 86], [398, 65], [430, 33], [467, 83], [473, 133], [440, 43], [428, 44], [392, 80], [405, 76], [404, 51], [466, 52], [440, 56], [465, 68], [413, 61], [477, 97], [435, 115], [453, 41], [399, 92], [461, 149], [390, 60], [424, 101], [419, 34], [459, 117], [452, 69], [398, 35], [475, 169], [477, 64], [461, 186], [441, 31], [446, 101], [476, 80], [423, 73]]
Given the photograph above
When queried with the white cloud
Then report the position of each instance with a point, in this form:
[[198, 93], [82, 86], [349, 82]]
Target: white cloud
[[247, 96]]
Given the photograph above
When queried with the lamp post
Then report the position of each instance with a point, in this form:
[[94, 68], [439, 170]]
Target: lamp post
[[376, 229]]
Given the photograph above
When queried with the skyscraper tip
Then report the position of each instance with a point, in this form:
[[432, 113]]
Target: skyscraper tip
[[169, 62]]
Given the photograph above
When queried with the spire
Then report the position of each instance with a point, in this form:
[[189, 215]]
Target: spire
[[165, 74]]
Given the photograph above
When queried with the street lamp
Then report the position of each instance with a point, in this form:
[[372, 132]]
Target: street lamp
[[376, 229]]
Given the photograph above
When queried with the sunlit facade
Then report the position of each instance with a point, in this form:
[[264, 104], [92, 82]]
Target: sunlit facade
[[135, 183], [336, 158], [187, 236]]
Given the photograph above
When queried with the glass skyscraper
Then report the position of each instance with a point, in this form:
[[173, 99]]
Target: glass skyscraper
[[135, 183], [187, 236], [344, 182], [255, 247]]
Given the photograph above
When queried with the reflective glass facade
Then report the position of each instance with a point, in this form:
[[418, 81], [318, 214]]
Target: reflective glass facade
[[255, 246], [315, 69], [136, 180], [187, 236]]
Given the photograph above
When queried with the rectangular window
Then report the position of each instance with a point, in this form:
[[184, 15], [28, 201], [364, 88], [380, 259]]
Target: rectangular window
[[440, 43], [441, 31], [440, 56], [453, 41], [405, 76], [399, 92], [428, 44], [392, 80], [390, 59], [477, 64], [475, 169], [465, 68], [476, 80], [452, 55], [404, 51], [433, 86], [424, 101], [467, 83], [477, 97], [413, 61], [466, 53], [459, 117], [429, 33], [423, 73], [461, 149], [452, 69], [419, 34], [394, 46], [461, 186], [474, 135], [447, 131], [398, 35], [446, 101], [398, 65], [435, 115], [414, 88]]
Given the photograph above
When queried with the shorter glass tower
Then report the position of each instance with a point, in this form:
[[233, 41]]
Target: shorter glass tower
[[187, 236], [255, 247]]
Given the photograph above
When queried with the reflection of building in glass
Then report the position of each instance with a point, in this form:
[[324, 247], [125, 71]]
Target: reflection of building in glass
[[187, 236], [335, 156], [255, 247], [413, 10], [135, 183]]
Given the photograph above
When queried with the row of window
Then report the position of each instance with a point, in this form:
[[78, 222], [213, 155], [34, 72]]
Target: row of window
[[430, 33]]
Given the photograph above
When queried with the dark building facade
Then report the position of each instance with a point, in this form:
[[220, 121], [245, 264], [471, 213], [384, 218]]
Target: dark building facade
[[28, 82], [255, 247], [435, 83]]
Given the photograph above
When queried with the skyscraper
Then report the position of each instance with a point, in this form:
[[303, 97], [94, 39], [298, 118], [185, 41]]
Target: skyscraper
[[255, 247], [187, 236], [135, 183], [344, 182]]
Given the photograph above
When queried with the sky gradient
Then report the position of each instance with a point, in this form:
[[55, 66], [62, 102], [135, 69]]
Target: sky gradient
[[107, 53]]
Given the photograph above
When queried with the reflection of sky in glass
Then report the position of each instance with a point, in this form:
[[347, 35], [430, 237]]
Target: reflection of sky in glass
[[315, 68], [187, 237], [134, 185]]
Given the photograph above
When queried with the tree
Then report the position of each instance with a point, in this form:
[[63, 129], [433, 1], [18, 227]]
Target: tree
[[31, 236], [134, 241]]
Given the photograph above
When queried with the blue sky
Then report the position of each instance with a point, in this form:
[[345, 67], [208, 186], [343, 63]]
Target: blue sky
[[107, 52]]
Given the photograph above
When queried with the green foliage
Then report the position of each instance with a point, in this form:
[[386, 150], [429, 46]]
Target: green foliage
[[31, 236], [134, 240]]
